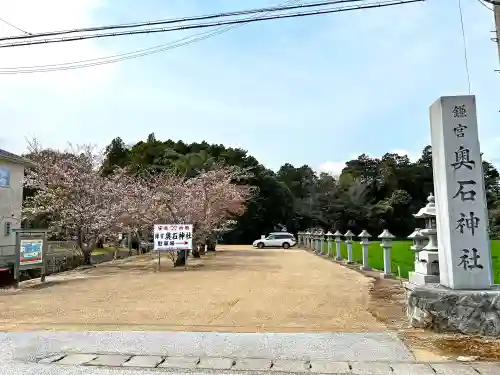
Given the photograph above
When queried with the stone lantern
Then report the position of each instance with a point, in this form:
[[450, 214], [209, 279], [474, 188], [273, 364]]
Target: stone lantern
[[386, 237], [427, 265], [418, 242], [329, 240], [320, 243], [338, 240], [308, 239], [348, 240], [365, 242], [313, 240]]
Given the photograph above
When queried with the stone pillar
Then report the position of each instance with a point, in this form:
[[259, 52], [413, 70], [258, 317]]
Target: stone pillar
[[427, 257], [464, 251], [321, 243], [299, 239], [386, 244], [308, 239], [338, 240], [348, 240], [329, 240], [365, 242]]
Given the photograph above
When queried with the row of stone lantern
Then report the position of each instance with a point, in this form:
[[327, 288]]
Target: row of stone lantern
[[426, 270], [314, 240], [425, 246]]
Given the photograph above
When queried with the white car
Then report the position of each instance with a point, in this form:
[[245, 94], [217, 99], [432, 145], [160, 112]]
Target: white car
[[276, 239]]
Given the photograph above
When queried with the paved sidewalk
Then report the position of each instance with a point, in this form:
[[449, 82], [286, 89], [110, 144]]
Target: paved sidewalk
[[141, 353]]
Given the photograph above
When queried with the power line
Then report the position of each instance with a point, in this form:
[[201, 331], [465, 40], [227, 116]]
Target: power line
[[15, 27], [130, 55], [484, 5], [379, 4], [183, 19], [465, 44]]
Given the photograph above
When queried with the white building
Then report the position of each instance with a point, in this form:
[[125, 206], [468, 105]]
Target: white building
[[11, 198]]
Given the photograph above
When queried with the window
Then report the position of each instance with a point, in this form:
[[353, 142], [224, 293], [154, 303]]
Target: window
[[8, 228], [4, 177]]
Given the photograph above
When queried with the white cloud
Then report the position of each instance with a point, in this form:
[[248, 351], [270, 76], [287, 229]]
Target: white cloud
[[38, 103], [332, 167], [45, 16]]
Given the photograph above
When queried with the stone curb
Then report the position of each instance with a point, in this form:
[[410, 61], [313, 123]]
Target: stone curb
[[270, 365]]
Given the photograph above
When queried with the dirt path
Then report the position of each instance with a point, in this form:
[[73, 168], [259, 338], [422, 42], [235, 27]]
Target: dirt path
[[237, 289]]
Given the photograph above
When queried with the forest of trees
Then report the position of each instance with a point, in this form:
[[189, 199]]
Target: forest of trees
[[370, 193]]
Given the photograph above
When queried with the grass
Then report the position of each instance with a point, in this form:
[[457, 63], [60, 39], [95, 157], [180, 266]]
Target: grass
[[404, 258]]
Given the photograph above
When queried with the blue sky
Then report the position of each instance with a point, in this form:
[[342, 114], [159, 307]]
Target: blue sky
[[315, 90]]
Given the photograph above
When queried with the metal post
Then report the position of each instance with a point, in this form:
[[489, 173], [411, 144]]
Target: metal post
[[496, 11], [17, 262]]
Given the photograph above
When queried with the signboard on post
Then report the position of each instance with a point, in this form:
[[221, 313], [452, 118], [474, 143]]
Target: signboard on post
[[31, 250], [462, 221], [173, 237]]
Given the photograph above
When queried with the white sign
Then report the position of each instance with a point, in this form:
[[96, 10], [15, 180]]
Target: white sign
[[462, 222], [173, 237]]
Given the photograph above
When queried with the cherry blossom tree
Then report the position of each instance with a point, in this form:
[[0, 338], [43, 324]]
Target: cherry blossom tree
[[78, 202], [207, 201], [81, 204]]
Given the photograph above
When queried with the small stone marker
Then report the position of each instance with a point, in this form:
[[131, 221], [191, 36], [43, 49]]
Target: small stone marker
[[149, 361], [252, 364], [109, 360], [77, 359], [290, 365], [329, 367], [179, 362], [216, 363]]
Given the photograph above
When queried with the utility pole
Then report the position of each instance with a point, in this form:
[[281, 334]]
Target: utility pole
[[496, 11]]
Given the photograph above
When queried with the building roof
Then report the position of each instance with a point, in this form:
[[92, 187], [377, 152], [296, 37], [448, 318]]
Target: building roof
[[13, 158]]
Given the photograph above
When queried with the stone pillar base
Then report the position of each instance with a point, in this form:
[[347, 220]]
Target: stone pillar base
[[348, 262], [386, 276], [471, 312], [422, 279], [362, 268]]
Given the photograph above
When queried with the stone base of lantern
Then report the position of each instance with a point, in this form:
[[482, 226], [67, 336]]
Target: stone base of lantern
[[471, 312], [386, 276], [417, 278]]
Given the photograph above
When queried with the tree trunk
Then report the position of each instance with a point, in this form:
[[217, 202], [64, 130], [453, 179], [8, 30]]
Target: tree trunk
[[197, 252], [181, 258], [87, 257], [129, 243]]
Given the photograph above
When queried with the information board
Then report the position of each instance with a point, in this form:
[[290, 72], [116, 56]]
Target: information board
[[31, 251], [173, 237]]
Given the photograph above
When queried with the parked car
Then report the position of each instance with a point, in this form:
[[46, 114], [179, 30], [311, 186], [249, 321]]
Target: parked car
[[276, 239]]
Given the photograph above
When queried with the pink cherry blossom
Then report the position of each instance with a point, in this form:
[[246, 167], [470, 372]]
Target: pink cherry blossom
[[83, 205]]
